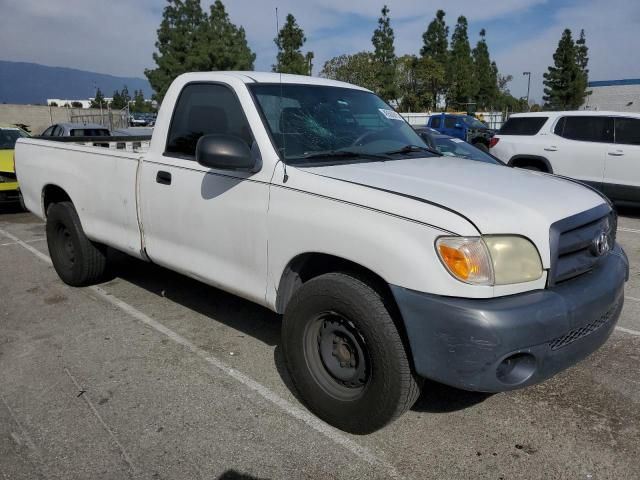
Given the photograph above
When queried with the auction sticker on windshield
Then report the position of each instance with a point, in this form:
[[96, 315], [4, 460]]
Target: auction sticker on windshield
[[390, 114]]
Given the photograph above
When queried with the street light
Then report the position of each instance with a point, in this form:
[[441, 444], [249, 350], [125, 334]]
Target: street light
[[528, 74]]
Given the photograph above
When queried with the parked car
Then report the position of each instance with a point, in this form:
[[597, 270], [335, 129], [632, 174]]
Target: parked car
[[138, 120], [9, 188], [76, 130], [464, 127], [454, 147], [601, 149], [315, 199]]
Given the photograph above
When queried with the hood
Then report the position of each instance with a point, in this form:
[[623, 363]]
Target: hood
[[494, 198]]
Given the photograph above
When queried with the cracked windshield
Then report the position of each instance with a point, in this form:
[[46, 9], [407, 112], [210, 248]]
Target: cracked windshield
[[310, 123]]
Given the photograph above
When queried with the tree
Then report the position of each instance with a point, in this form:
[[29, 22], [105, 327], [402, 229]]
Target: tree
[[582, 59], [485, 74], [98, 101], [120, 99], [178, 44], [415, 77], [357, 69], [76, 104], [435, 44], [290, 58], [139, 103], [53, 104], [385, 57], [223, 45], [565, 81], [460, 67]]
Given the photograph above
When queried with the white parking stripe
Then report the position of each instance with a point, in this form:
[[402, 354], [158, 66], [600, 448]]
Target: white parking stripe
[[629, 331], [291, 409], [627, 297], [26, 241], [632, 230]]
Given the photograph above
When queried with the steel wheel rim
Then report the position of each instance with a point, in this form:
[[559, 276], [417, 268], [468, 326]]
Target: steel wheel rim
[[337, 356]]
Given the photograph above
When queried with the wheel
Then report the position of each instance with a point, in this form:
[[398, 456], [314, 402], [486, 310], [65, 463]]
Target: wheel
[[77, 260], [345, 355], [481, 146]]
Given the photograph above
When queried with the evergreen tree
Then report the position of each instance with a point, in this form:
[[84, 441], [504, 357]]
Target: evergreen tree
[[564, 81], [98, 101], [460, 67], [415, 77], [117, 103], [223, 45], [124, 93], [485, 74], [582, 59], [435, 45], [289, 41], [356, 69], [177, 44], [139, 104], [385, 57]]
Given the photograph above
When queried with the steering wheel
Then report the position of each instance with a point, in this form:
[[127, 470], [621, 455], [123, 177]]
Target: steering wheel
[[371, 133]]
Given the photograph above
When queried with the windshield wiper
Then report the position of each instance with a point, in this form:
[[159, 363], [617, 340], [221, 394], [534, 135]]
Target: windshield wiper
[[414, 148], [343, 154]]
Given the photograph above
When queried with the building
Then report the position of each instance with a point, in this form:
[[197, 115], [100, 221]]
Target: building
[[613, 95], [67, 102]]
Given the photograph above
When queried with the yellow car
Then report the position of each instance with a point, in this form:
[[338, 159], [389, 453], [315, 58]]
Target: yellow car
[[9, 189]]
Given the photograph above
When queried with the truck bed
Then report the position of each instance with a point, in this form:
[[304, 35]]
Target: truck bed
[[109, 208]]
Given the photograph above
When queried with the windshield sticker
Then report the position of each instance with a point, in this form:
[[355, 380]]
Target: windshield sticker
[[390, 114], [457, 140]]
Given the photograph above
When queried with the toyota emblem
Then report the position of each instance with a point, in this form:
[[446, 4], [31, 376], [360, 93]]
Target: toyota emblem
[[600, 244]]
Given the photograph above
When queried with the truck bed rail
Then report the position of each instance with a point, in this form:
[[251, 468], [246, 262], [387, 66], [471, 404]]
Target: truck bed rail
[[122, 142]]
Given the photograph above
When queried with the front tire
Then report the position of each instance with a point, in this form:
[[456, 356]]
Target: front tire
[[77, 260], [345, 354]]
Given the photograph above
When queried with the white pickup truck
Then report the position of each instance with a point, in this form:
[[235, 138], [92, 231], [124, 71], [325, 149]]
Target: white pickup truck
[[390, 262]]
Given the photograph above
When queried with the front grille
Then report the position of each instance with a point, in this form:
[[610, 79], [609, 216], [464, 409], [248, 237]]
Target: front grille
[[572, 239], [578, 333]]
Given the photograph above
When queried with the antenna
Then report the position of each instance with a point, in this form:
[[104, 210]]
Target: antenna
[[284, 137]]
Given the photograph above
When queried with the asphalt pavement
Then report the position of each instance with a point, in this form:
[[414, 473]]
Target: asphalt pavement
[[153, 375]]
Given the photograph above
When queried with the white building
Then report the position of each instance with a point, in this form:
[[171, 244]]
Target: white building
[[614, 95], [85, 103]]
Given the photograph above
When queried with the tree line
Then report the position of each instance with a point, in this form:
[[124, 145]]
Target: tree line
[[447, 73], [121, 98]]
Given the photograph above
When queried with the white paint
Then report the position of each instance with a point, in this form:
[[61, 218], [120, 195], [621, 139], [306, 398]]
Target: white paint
[[316, 424], [26, 241], [629, 331], [627, 297], [632, 230], [94, 410]]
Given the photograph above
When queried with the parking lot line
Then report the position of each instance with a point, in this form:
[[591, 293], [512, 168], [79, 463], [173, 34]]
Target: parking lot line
[[632, 230], [310, 420], [629, 331], [26, 241]]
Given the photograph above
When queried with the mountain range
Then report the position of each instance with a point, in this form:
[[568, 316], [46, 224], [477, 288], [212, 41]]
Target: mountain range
[[32, 83]]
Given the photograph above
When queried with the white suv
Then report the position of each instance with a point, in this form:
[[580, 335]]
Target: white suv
[[601, 149]]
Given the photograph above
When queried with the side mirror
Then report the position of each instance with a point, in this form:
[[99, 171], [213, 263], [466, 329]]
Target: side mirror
[[225, 152]]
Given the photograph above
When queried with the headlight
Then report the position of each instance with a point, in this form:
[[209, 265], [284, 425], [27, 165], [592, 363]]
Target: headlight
[[490, 260]]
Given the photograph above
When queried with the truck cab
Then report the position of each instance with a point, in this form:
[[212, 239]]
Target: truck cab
[[464, 127]]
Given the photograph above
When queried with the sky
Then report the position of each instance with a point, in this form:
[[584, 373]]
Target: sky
[[117, 36]]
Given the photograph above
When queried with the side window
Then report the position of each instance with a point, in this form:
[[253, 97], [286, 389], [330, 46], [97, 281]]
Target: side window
[[587, 128], [204, 109], [47, 132], [435, 122], [450, 122], [57, 131], [628, 131]]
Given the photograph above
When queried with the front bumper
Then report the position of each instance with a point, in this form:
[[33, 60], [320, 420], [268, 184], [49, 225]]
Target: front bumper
[[505, 343], [9, 192]]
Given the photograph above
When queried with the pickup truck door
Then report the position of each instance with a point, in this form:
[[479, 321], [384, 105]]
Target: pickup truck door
[[208, 224], [622, 164]]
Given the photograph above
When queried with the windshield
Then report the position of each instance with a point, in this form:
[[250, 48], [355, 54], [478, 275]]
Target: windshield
[[474, 122], [311, 121], [454, 147], [9, 136]]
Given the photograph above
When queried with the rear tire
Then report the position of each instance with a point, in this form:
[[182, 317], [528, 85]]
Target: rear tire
[[345, 354], [77, 260]]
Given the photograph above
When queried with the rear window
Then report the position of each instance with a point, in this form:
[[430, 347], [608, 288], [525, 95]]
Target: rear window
[[9, 137], [523, 125], [89, 132]]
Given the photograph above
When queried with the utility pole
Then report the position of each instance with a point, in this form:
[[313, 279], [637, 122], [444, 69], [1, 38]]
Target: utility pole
[[528, 74]]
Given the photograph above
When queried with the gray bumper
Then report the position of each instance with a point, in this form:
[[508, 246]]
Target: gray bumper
[[510, 342]]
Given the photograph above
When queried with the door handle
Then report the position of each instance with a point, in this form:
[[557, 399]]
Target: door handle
[[163, 177], [618, 153], [551, 149]]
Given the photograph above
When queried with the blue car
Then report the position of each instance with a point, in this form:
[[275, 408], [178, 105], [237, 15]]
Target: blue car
[[464, 127], [455, 147]]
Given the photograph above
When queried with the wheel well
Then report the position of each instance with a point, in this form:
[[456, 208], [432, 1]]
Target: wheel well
[[53, 194], [306, 266], [530, 161]]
